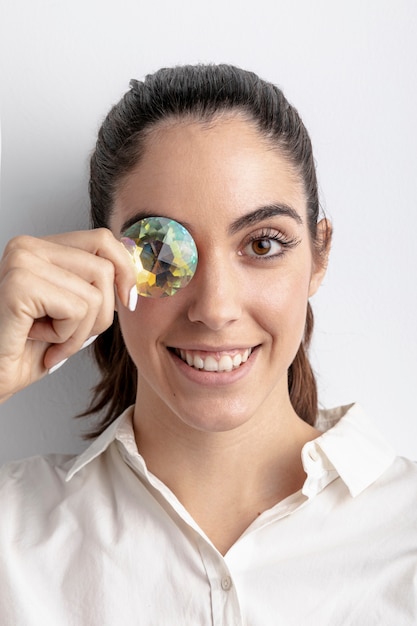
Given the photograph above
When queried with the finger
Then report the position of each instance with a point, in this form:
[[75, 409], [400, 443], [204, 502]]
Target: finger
[[69, 324], [66, 266], [54, 365], [46, 293], [101, 243], [78, 252], [27, 297], [92, 281]]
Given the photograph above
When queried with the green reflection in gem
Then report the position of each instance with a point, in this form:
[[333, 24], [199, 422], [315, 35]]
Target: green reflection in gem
[[164, 254]]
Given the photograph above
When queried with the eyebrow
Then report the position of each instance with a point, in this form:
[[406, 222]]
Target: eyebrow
[[263, 213], [258, 215]]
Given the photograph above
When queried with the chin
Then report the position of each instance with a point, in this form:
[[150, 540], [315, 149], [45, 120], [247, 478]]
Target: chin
[[217, 419]]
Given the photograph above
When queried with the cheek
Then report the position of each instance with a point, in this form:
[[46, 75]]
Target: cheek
[[137, 330], [143, 329], [281, 305]]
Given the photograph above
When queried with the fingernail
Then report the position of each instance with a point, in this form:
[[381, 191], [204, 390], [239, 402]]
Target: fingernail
[[86, 343], [89, 342], [133, 299], [56, 367]]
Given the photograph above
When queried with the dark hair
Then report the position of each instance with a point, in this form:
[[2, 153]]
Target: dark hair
[[200, 92]]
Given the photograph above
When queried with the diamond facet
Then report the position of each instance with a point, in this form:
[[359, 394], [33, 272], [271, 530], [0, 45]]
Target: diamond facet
[[164, 254]]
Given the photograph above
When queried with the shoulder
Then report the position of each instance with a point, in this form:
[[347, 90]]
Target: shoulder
[[34, 479], [40, 484], [31, 493], [17, 473], [399, 484], [51, 475], [387, 509]]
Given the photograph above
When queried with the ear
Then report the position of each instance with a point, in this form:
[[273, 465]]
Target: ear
[[321, 255]]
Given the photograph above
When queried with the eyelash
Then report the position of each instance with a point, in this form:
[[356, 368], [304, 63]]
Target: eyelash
[[271, 235]]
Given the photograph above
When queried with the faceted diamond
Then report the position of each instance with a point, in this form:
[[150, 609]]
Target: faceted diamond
[[164, 254]]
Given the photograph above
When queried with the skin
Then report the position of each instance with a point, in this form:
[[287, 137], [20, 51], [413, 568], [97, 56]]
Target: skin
[[55, 293], [227, 444]]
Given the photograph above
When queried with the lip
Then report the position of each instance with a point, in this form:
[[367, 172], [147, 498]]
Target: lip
[[202, 377], [210, 349]]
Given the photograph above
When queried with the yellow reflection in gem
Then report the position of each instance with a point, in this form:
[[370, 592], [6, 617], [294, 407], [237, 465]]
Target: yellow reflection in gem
[[164, 254]]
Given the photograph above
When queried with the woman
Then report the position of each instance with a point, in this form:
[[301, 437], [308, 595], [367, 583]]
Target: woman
[[215, 492]]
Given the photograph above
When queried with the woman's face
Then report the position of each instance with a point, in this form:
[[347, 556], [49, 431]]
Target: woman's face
[[244, 311]]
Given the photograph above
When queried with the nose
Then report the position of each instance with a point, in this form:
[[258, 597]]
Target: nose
[[214, 290]]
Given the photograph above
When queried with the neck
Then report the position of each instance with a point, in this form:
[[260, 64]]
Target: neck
[[226, 479]]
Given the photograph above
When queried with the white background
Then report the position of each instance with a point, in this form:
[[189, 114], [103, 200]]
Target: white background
[[351, 70]]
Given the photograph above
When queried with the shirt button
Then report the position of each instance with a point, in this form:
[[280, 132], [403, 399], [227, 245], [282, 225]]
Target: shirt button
[[226, 583]]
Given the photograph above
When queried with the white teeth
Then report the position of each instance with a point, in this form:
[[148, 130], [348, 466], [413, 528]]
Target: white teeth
[[210, 364], [226, 363], [237, 360], [197, 362]]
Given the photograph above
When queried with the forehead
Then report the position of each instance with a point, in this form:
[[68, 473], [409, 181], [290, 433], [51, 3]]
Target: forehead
[[191, 169]]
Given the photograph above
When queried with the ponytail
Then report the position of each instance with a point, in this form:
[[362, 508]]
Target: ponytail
[[302, 385], [117, 387]]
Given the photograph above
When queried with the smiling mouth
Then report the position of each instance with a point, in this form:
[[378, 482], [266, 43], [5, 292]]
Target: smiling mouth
[[215, 361]]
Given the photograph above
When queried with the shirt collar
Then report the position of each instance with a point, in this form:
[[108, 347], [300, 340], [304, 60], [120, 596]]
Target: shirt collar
[[350, 448], [102, 442]]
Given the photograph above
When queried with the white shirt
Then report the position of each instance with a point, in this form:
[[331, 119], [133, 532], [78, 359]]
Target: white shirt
[[99, 541]]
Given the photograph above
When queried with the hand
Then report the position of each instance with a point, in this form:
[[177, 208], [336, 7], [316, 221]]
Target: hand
[[55, 293]]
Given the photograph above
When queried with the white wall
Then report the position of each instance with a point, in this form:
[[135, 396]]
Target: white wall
[[350, 68]]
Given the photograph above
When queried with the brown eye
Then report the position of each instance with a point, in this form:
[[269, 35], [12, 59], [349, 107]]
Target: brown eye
[[261, 246]]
